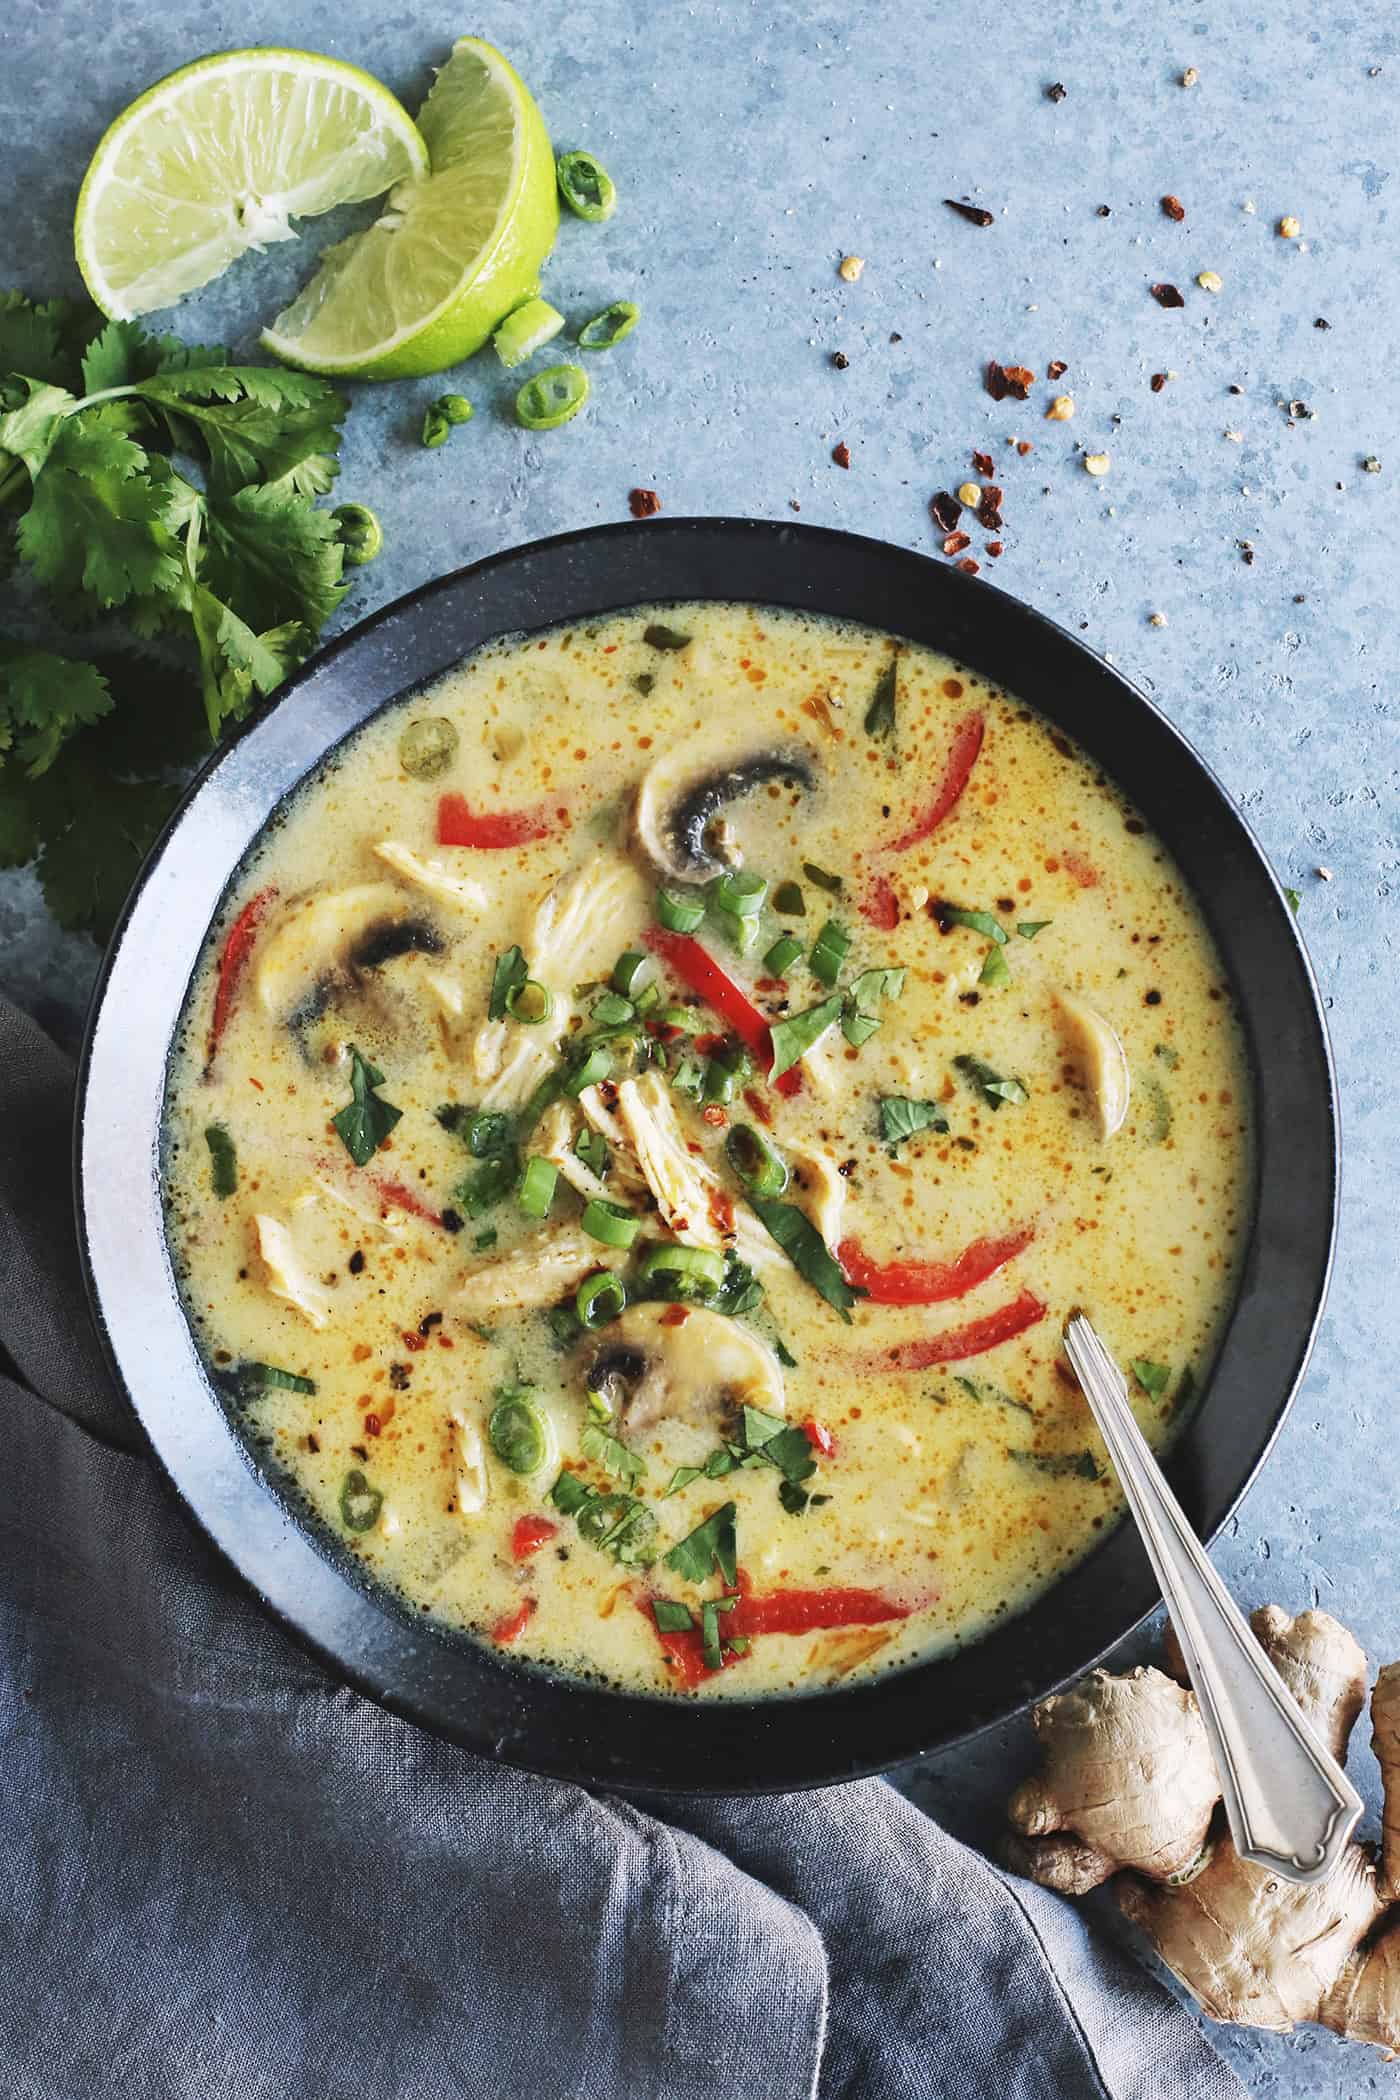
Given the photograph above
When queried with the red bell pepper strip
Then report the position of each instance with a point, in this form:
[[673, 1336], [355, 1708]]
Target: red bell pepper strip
[[880, 905], [957, 1343], [457, 825], [780, 1611], [929, 1282], [506, 1631], [234, 961], [530, 1534], [962, 757], [697, 968]]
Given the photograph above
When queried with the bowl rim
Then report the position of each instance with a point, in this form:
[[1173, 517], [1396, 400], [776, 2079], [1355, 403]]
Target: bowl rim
[[528, 1715]]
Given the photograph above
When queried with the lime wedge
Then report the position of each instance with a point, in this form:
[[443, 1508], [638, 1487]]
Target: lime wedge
[[427, 283], [219, 158]]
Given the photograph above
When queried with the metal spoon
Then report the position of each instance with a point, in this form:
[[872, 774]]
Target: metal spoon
[[1290, 1805]]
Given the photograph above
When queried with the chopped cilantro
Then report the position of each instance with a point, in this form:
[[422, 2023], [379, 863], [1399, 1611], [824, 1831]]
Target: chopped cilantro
[[710, 1546], [510, 973], [612, 1454], [995, 971], [980, 921], [1029, 928], [989, 1083]]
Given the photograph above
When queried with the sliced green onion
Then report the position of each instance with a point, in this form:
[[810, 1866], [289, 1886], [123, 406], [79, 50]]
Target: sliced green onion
[[428, 747], [585, 185], [592, 1148], [525, 331], [794, 1036], [782, 955], [789, 900], [595, 1066], [223, 1160], [679, 1017], [360, 1504], [741, 891], [689, 1078], [979, 921], [273, 1376], [611, 1010], [728, 1070], [648, 997], [679, 912], [823, 879], [610, 326], [442, 415], [537, 1185], [758, 1165], [552, 397], [995, 969], [687, 1271], [742, 934], [629, 972], [530, 1002], [519, 1433], [610, 1223], [600, 1298], [829, 952]]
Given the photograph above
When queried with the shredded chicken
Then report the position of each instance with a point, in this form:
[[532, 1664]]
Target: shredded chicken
[[820, 1190], [434, 876], [537, 1272], [471, 1466], [575, 934], [286, 1274], [692, 1199]]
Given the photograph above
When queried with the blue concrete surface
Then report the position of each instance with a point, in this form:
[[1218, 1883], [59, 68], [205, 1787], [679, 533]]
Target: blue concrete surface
[[753, 147]]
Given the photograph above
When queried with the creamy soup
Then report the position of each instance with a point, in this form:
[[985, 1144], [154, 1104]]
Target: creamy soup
[[644, 1116]]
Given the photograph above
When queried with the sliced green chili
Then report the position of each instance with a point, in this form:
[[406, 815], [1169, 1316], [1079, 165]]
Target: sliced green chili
[[552, 397], [359, 531], [428, 747], [272, 1375], [742, 933], [757, 1163], [789, 900], [360, 1504], [610, 326], [519, 1433], [685, 1272], [585, 185]]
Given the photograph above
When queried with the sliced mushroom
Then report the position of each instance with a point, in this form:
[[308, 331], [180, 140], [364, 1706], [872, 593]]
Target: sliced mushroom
[[690, 1196], [1101, 1061], [471, 1466], [682, 1363], [682, 794], [537, 1272], [575, 934], [330, 935], [287, 1276], [433, 876]]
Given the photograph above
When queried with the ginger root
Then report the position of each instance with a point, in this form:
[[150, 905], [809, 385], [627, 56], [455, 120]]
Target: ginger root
[[1127, 1787]]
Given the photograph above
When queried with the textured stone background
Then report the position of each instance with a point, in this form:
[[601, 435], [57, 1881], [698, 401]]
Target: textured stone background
[[753, 147]]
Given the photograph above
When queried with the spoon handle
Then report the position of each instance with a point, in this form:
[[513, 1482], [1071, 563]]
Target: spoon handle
[[1290, 1805]]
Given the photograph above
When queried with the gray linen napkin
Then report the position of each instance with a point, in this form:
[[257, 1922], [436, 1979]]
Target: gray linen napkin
[[224, 1876]]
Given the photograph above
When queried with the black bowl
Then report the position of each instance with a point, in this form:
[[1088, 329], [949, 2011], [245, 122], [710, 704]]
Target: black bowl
[[528, 1715]]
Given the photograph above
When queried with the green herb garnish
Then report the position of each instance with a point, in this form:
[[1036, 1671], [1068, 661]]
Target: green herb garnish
[[510, 973], [1153, 1378], [616, 1524], [658, 636], [493, 1179], [994, 971], [993, 1088], [709, 1629], [592, 1148], [901, 1118], [823, 878], [223, 1160], [979, 1389], [795, 1034], [807, 1251], [789, 900], [1029, 928], [1062, 1465], [1294, 901], [267, 1376], [364, 1123], [612, 1454], [712, 1545], [1155, 1094], [980, 921], [879, 716]]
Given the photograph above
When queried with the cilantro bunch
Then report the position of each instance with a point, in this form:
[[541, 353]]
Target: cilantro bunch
[[155, 484]]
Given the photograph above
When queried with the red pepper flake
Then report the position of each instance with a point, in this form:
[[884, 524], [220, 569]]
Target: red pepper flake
[[1166, 295], [982, 464], [995, 548], [1056, 368], [1174, 208], [996, 381], [643, 503], [1020, 379], [759, 1106], [969, 567], [946, 509], [1023, 446], [1159, 380], [989, 509], [820, 1438], [955, 542], [412, 1340], [372, 1425], [714, 1115], [1055, 92], [975, 214], [841, 454], [675, 1316]]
